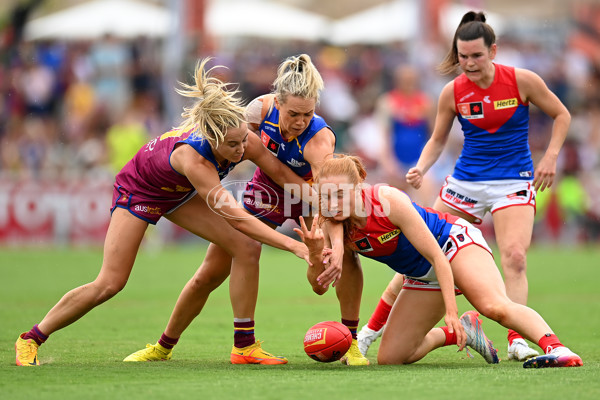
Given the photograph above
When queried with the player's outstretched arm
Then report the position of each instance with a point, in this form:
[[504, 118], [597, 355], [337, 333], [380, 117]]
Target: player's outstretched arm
[[203, 176]]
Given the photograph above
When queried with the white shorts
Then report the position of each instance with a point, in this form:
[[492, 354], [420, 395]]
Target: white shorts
[[478, 198], [462, 234]]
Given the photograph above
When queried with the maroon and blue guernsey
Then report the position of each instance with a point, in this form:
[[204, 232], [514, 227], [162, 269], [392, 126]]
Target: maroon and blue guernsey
[[383, 241], [149, 187]]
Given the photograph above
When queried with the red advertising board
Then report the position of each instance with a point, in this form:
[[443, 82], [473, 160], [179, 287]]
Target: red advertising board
[[63, 212]]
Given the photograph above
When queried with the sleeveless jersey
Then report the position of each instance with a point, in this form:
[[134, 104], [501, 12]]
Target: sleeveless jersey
[[383, 241], [495, 126], [409, 127], [288, 152], [149, 173]]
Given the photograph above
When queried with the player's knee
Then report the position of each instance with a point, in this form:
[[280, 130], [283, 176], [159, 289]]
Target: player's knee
[[248, 250], [106, 290], [514, 260], [495, 311], [206, 281], [385, 358]]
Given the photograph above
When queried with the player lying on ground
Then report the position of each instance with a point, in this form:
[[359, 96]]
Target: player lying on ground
[[434, 251]]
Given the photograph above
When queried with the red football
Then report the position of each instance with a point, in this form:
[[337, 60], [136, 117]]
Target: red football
[[327, 341]]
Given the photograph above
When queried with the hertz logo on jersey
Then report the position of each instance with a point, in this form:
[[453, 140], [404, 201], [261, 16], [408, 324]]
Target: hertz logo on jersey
[[507, 103], [386, 237]]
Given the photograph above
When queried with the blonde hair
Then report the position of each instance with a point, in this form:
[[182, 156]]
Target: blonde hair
[[217, 108], [345, 165], [297, 76]]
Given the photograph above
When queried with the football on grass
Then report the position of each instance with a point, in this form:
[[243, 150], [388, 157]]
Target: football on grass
[[327, 341]]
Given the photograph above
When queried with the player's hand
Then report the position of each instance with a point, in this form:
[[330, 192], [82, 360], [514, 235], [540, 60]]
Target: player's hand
[[545, 173], [313, 238], [414, 177], [327, 252], [454, 325], [333, 271]]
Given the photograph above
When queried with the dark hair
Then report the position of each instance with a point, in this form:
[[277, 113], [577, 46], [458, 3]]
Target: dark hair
[[472, 26]]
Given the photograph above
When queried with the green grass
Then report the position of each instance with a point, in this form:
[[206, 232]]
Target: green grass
[[84, 360]]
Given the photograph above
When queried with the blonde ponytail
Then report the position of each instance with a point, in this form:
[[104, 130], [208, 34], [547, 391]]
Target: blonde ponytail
[[297, 76], [217, 108]]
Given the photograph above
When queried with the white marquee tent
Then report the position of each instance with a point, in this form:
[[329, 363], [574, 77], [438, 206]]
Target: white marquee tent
[[226, 18], [123, 18], [390, 21]]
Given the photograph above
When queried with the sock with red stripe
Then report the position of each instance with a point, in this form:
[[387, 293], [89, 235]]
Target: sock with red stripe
[[243, 332], [512, 335], [548, 342], [352, 325], [167, 342], [450, 337], [36, 335], [380, 315]]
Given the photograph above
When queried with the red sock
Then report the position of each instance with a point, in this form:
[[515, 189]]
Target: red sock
[[450, 337], [380, 315], [352, 325], [167, 342], [548, 342], [512, 335], [35, 334]]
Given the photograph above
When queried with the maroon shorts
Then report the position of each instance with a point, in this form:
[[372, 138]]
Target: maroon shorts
[[266, 200], [149, 210]]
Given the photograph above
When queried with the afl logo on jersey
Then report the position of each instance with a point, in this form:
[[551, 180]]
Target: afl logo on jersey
[[508, 103], [471, 110]]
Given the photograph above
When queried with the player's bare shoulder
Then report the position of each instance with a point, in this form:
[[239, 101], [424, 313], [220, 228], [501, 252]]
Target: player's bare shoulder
[[446, 99], [257, 109]]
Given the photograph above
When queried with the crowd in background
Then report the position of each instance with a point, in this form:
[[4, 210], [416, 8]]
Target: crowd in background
[[72, 109]]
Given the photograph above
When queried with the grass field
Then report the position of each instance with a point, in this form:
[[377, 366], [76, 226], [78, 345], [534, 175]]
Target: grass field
[[84, 360]]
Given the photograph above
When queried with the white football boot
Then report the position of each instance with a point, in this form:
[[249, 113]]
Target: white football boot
[[366, 337], [519, 350]]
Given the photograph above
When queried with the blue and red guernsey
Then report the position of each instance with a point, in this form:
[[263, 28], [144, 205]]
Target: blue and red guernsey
[[495, 124], [383, 241], [288, 152], [409, 126], [149, 173]]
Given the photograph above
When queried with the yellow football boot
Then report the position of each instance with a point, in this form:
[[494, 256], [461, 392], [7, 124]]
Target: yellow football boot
[[353, 356], [26, 352], [152, 352]]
